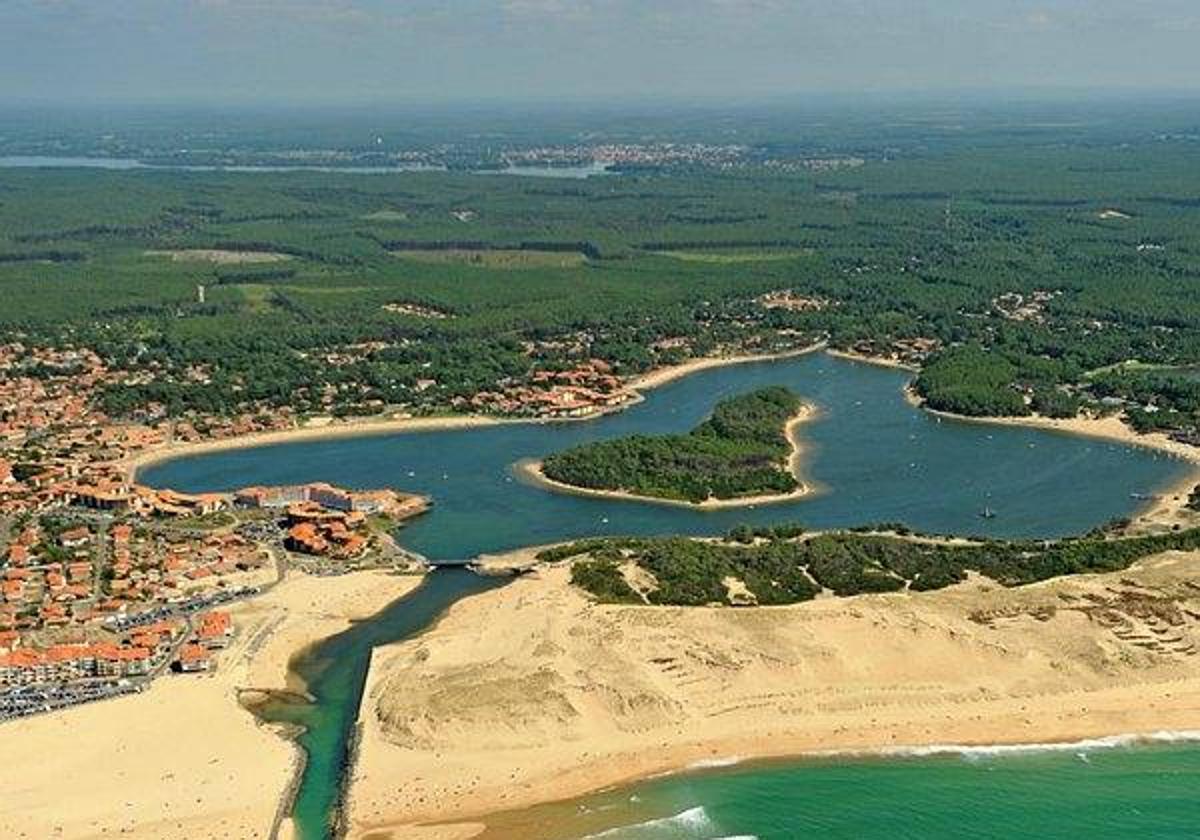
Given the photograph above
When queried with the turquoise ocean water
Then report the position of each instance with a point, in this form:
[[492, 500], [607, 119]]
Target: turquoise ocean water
[[1093, 791]]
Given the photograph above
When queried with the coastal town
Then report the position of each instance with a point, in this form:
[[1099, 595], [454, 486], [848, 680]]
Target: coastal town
[[98, 600], [105, 583]]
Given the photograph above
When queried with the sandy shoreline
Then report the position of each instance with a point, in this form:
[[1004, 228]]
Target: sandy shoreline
[[224, 772], [530, 470], [367, 428], [532, 693], [662, 376], [878, 361]]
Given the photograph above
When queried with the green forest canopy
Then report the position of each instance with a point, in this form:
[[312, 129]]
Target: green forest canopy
[[785, 567], [1005, 253], [741, 450]]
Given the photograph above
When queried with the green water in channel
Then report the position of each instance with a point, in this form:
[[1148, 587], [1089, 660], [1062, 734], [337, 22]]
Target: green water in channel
[[875, 458]]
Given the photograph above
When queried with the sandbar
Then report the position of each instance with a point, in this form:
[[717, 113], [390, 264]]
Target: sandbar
[[663, 375]]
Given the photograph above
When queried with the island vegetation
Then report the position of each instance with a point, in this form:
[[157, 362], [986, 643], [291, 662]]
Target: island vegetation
[[784, 565], [743, 449]]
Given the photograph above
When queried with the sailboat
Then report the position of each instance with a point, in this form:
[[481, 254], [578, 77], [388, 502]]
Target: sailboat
[[987, 513]]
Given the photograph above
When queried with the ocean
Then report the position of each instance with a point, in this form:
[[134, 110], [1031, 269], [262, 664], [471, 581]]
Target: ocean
[[1108, 789]]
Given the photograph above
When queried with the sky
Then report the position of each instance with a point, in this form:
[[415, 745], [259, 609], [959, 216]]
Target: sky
[[434, 51]]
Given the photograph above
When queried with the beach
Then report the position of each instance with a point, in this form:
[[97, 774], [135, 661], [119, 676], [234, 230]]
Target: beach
[[663, 375], [532, 693], [183, 759], [879, 361], [530, 470]]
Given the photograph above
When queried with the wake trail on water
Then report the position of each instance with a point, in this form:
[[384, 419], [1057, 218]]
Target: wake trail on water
[[691, 824]]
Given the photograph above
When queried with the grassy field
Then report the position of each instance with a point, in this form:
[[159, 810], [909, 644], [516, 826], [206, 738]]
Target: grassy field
[[500, 258], [734, 256]]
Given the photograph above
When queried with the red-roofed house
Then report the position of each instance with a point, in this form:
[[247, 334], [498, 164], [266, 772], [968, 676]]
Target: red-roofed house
[[75, 537], [194, 658]]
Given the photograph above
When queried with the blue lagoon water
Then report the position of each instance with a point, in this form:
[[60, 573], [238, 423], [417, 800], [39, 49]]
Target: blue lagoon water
[[873, 456]]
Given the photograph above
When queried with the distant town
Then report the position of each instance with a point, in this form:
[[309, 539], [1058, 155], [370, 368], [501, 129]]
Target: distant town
[[628, 156]]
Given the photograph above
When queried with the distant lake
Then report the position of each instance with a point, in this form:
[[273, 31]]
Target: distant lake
[[586, 170], [48, 162]]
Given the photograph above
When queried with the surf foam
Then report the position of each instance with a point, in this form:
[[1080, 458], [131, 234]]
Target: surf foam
[[1084, 745], [686, 824]]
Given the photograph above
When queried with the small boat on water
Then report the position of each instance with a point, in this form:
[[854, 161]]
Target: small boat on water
[[987, 513]]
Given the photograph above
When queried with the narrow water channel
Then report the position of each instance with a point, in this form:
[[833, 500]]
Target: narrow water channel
[[334, 672]]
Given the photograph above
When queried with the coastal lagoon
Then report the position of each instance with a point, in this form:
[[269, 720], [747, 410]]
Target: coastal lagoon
[[872, 456]]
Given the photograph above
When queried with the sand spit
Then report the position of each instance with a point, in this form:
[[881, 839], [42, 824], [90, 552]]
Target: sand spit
[[183, 759], [663, 375], [878, 361], [533, 693]]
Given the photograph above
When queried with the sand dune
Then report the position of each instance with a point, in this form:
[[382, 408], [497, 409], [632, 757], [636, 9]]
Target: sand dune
[[532, 693]]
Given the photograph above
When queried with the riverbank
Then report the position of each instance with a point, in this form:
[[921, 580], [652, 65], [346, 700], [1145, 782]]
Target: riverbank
[[532, 693], [222, 773], [530, 470]]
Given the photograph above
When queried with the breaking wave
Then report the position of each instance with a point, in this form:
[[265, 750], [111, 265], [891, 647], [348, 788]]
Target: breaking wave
[[993, 750], [686, 825]]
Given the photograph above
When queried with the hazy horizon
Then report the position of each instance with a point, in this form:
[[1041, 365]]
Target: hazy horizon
[[479, 52]]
